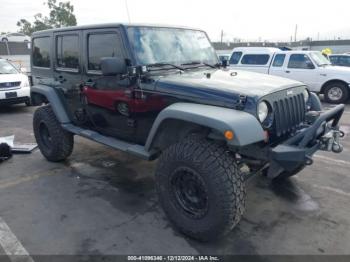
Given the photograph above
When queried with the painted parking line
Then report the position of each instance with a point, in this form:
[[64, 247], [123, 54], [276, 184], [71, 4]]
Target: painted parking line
[[14, 182], [337, 161], [11, 245], [334, 190]]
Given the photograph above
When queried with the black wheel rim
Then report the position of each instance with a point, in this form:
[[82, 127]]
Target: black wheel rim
[[45, 135], [189, 192]]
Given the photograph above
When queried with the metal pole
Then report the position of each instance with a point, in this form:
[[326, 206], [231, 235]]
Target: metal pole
[[127, 10], [295, 33]]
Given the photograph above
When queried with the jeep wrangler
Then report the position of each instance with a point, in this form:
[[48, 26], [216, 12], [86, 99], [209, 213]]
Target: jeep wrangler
[[160, 93]]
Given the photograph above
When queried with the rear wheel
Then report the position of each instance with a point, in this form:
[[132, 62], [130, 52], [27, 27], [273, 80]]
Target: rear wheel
[[54, 142], [200, 188], [336, 92]]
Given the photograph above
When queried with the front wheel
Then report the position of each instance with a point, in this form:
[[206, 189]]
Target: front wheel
[[200, 188], [55, 143], [336, 93]]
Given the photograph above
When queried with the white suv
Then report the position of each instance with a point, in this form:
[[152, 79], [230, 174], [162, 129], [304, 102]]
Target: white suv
[[14, 86]]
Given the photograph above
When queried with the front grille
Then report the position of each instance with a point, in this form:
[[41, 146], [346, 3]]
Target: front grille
[[9, 84], [289, 113]]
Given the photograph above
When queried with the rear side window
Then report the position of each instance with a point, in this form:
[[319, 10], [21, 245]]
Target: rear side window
[[333, 59], [236, 56], [258, 59], [300, 61], [344, 60], [67, 51], [279, 60], [102, 45], [41, 52]]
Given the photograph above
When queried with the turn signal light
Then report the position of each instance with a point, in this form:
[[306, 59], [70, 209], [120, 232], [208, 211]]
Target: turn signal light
[[229, 135]]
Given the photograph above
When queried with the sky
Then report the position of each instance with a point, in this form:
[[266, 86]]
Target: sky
[[249, 20]]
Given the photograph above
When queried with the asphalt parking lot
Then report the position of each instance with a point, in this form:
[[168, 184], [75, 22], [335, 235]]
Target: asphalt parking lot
[[101, 201]]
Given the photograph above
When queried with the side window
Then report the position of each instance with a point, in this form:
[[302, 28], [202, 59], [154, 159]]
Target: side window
[[344, 60], [333, 59], [258, 59], [41, 52], [279, 60], [67, 51], [102, 45], [300, 61], [235, 57]]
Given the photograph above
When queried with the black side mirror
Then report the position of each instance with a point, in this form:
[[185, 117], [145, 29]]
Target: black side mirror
[[224, 63], [310, 65], [112, 66]]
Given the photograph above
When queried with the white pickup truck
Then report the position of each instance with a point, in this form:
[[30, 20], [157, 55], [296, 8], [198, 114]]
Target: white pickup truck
[[309, 67]]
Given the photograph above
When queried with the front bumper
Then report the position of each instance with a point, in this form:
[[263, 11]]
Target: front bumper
[[322, 134], [22, 96]]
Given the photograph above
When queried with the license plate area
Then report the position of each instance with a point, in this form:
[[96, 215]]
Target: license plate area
[[11, 94]]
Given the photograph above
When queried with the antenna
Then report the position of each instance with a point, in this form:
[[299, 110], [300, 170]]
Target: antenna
[[127, 10]]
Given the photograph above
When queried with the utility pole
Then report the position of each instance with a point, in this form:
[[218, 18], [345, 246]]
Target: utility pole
[[295, 33], [222, 35], [127, 10]]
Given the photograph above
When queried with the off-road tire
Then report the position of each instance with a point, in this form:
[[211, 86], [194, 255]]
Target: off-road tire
[[60, 143], [344, 89], [221, 177]]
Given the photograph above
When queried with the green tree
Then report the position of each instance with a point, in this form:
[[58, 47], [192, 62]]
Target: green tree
[[61, 14]]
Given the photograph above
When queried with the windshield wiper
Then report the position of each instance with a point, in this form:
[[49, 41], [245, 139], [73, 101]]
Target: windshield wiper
[[198, 63], [166, 64]]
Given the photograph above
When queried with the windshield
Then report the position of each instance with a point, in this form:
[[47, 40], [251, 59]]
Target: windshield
[[7, 68], [319, 59], [170, 45]]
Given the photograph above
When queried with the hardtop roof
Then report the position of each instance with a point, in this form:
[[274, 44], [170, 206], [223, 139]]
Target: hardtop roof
[[108, 25]]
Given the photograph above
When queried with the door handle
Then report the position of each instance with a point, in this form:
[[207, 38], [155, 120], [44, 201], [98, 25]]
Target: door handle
[[287, 71]]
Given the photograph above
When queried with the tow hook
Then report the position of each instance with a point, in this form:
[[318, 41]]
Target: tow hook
[[330, 141]]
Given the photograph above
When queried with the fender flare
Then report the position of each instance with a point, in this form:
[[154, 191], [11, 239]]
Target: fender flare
[[55, 102], [246, 128]]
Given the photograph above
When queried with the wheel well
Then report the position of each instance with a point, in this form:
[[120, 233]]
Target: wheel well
[[173, 130], [332, 81], [38, 99]]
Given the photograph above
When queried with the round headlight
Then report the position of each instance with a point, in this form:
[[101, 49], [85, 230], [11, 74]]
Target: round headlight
[[263, 111], [306, 95]]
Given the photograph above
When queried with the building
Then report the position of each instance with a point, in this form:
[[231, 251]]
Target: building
[[337, 46]]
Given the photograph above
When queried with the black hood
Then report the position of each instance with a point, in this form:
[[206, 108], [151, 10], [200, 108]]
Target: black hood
[[224, 82]]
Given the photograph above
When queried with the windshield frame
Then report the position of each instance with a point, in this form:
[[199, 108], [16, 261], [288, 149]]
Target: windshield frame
[[134, 52], [10, 64]]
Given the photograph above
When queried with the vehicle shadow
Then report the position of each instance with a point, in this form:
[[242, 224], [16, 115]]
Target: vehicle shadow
[[14, 109]]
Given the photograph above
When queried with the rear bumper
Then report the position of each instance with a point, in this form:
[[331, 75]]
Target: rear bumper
[[322, 134]]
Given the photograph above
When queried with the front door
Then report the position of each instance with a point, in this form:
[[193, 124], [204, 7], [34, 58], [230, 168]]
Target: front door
[[107, 99], [67, 70], [301, 68]]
